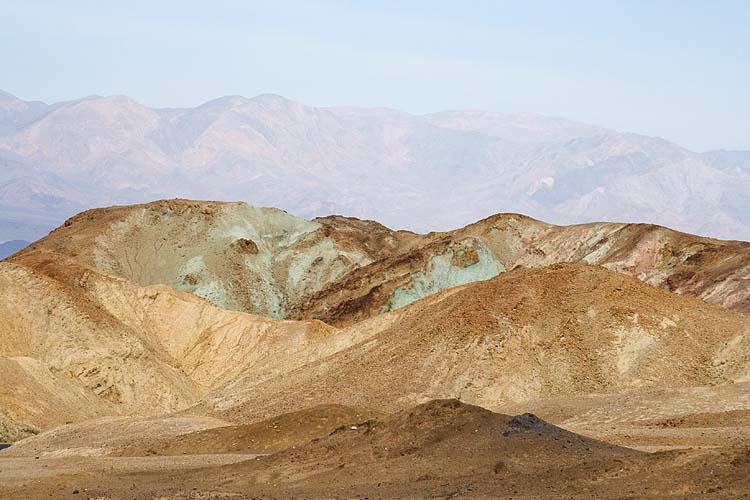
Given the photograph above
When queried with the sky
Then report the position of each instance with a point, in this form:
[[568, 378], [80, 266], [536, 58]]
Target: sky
[[674, 69]]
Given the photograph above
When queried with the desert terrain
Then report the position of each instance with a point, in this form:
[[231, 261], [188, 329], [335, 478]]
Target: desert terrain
[[191, 350]]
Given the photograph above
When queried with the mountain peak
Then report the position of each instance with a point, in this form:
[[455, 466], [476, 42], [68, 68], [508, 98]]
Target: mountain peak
[[269, 97], [373, 163], [7, 96]]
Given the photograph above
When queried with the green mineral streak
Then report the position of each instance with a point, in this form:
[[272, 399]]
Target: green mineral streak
[[267, 297], [196, 265], [441, 274], [211, 290]]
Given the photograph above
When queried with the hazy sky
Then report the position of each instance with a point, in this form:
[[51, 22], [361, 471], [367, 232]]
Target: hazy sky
[[676, 69]]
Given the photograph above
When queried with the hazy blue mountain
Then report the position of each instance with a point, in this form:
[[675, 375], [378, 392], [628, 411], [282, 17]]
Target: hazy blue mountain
[[11, 247], [420, 172]]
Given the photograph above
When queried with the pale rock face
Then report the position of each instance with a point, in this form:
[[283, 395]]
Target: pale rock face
[[430, 172]]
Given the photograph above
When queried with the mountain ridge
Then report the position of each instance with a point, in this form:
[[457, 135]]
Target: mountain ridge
[[434, 171], [342, 269]]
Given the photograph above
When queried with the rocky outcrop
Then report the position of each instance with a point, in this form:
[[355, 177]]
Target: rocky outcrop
[[341, 270]]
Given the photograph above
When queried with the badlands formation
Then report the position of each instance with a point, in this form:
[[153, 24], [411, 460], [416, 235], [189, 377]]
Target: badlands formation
[[184, 349]]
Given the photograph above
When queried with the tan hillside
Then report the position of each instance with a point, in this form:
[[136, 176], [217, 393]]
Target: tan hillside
[[528, 333], [64, 360], [78, 344]]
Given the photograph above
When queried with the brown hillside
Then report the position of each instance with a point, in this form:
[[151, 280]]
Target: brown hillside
[[78, 344], [342, 270], [716, 271], [269, 436], [528, 333]]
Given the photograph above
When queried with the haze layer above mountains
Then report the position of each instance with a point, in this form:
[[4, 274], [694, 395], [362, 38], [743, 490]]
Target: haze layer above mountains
[[417, 172]]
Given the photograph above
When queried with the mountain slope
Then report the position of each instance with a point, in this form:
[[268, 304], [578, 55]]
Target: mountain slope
[[428, 172], [105, 355], [528, 333], [96, 321], [342, 270], [713, 270], [240, 257], [77, 344]]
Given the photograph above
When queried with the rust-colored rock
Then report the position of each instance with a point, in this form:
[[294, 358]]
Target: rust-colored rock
[[247, 246]]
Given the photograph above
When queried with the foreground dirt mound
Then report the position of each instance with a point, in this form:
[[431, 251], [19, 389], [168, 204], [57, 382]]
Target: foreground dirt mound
[[107, 435], [433, 442], [528, 333], [279, 433], [440, 449], [450, 449]]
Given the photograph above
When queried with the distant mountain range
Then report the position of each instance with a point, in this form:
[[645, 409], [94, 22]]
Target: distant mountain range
[[420, 172], [11, 247]]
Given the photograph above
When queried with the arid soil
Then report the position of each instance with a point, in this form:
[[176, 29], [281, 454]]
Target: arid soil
[[440, 449], [186, 349], [269, 436], [79, 344], [527, 334]]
